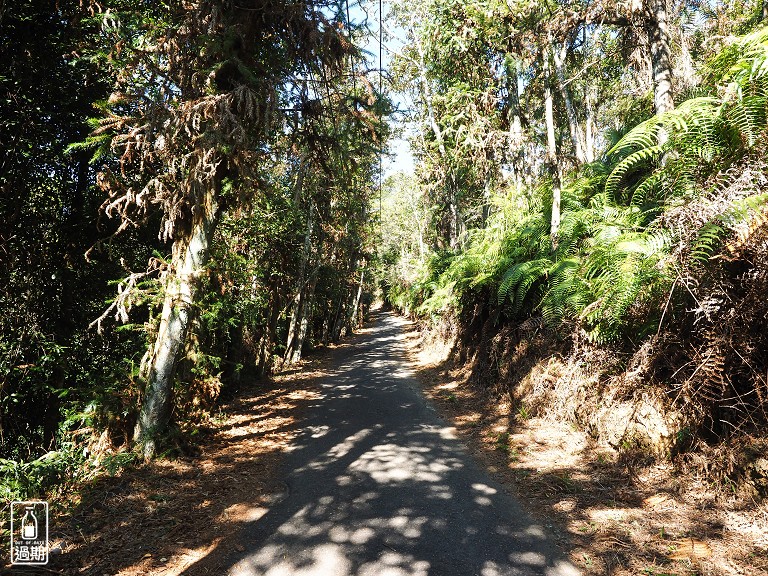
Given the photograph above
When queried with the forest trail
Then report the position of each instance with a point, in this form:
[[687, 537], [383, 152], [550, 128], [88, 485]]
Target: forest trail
[[378, 484]]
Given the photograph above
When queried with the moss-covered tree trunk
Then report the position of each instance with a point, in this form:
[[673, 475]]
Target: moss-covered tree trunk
[[189, 256], [549, 118], [661, 61]]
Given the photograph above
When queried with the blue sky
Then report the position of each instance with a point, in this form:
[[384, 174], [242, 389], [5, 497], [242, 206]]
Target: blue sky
[[367, 11]]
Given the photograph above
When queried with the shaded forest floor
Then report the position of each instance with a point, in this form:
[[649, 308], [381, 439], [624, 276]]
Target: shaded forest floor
[[176, 516], [622, 517]]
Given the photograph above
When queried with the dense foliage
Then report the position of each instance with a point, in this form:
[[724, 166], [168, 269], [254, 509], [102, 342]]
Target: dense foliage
[[185, 207], [583, 200], [189, 202]]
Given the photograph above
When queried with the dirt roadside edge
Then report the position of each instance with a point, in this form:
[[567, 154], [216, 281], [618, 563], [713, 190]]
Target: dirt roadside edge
[[616, 517]]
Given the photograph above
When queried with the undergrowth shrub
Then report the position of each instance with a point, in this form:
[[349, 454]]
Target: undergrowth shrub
[[660, 257]]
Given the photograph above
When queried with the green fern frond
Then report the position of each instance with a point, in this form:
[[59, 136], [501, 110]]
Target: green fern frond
[[683, 176], [648, 188], [567, 294], [744, 62], [519, 278], [706, 242], [644, 135], [630, 164], [693, 114]]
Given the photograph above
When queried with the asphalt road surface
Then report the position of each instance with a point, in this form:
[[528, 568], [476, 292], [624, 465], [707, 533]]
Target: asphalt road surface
[[379, 485]]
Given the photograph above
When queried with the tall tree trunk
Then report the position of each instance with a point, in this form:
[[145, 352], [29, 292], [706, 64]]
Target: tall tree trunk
[[353, 317], [453, 214], [549, 113], [419, 225], [661, 67], [554, 168], [559, 55], [515, 123], [338, 319], [516, 150], [234, 355], [298, 186], [487, 188], [300, 287], [325, 331], [268, 339], [305, 316], [346, 301], [188, 258], [590, 98]]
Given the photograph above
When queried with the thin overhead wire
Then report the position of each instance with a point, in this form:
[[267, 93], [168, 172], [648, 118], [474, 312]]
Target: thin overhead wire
[[381, 113], [381, 93]]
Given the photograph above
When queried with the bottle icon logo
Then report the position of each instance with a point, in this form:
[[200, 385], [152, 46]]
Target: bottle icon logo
[[29, 525], [29, 533]]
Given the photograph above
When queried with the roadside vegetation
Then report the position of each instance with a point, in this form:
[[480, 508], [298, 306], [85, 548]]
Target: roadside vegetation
[[587, 220], [185, 207]]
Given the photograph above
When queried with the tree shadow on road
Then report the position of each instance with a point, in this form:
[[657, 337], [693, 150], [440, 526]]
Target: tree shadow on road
[[391, 493], [374, 483]]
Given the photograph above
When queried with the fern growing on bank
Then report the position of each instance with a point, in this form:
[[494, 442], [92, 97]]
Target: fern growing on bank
[[617, 252]]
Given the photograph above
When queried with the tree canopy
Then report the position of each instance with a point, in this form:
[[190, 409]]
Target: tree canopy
[[186, 204]]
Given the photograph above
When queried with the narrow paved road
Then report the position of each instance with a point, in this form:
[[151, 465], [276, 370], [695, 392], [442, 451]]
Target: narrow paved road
[[379, 486]]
